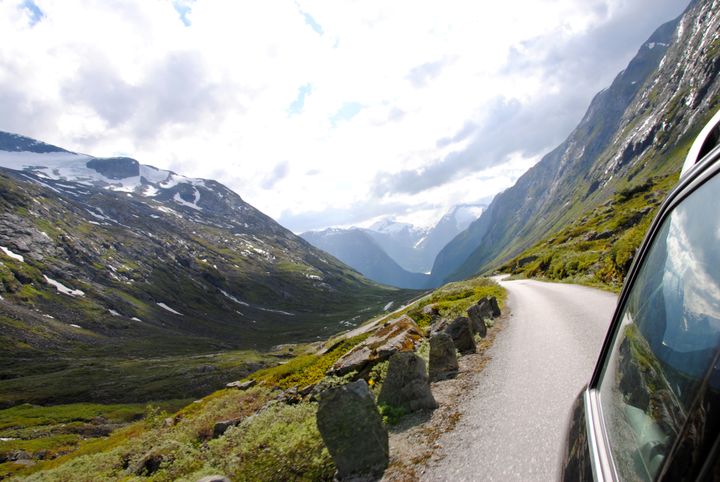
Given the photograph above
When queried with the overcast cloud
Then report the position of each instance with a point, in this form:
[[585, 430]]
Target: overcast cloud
[[322, 112]]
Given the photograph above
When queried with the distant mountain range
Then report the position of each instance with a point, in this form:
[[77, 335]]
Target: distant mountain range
[[107, 255], [634, 134], [391, 252]]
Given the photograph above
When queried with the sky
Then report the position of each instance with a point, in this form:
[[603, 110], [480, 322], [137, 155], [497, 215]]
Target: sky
[[320, 112]]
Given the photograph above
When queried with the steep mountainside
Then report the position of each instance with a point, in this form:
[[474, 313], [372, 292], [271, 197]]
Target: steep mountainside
[[632, 139], [106, 256], [358, 249]]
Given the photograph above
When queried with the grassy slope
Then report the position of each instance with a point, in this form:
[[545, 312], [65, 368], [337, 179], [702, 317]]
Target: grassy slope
[[280, 442]]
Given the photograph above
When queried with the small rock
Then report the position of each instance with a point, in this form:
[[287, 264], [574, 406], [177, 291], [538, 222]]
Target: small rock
[[149, 464], [221, 427], [443, 359], [42, 454], [352, 429], [241, 385], [307, 390], [214, 478], [477, 315], [21, 455], [431, 309], [460, 330], [291, 396], [494, 307], [406, 384]]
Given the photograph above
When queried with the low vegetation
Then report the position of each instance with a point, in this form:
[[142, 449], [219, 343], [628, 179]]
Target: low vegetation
[[268, 439]]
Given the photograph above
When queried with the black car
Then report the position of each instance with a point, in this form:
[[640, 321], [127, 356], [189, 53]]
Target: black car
[[652, 408]]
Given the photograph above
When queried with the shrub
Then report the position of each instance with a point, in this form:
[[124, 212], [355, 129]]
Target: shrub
[[391, 415], [279, 443]]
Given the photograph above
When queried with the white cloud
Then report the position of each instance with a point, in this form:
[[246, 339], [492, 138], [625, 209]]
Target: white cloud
[[210, 88]]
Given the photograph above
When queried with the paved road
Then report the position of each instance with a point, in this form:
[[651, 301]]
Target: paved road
[[513, 424]]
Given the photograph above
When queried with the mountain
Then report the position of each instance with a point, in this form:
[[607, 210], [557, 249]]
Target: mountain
[[415, 248], [450, 225], [391, 252], [358, 249], [108, 257], [630, 144]]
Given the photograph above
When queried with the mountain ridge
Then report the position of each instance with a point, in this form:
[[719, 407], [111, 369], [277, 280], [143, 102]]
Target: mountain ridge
[[627, 134]]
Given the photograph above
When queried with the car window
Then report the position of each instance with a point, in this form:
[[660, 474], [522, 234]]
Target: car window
[[664, 359]]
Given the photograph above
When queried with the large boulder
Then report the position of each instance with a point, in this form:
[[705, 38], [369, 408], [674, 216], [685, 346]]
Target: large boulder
[[443, 358], [400, 334], [477, 316], [406, 384], [353, 432], [460, 330]]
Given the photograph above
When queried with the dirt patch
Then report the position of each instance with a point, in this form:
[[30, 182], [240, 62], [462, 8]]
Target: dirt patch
[[413, 441]]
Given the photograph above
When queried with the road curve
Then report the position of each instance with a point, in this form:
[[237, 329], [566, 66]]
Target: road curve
[[512, 425]]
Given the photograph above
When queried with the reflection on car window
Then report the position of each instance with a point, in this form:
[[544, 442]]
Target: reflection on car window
[[665, 354]]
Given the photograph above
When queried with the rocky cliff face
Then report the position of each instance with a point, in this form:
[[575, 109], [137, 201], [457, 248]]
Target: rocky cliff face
[[639, 128], [109, 255]]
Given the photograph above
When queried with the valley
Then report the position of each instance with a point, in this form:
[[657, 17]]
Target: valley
[[156, 326]]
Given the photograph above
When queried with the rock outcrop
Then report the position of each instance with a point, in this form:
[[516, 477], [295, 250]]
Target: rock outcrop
[[351, 427], [398, 335], [241, 385], [406, 384], [443, 362]]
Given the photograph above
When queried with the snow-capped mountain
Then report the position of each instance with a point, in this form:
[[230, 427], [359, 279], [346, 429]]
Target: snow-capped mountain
[[53, 166], [412, 248]]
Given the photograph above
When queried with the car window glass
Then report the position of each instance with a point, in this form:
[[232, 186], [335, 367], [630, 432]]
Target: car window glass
[[665, 353]]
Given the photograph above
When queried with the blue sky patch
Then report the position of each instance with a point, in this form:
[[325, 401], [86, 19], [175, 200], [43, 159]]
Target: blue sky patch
[[312, 22], [35, 13], [183, 8], [346, 112], [297, 106]]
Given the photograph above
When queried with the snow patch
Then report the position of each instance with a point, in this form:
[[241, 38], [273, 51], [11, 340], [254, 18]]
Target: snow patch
[[231, 297], [62, 288], [387, 307], [12, 255], [75, 326], [192, 205], [166, 307], [114, 313], [135, 318]]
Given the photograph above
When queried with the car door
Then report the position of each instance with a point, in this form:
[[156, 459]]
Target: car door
[[652, 409]]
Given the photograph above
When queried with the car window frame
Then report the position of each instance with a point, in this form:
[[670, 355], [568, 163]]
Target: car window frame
[[603, 464]]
